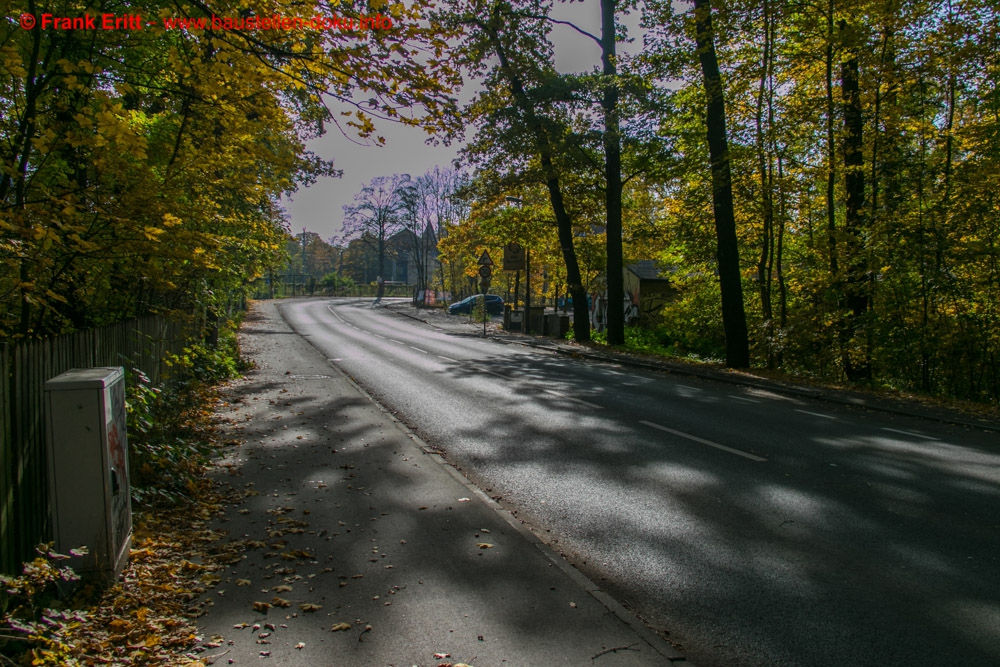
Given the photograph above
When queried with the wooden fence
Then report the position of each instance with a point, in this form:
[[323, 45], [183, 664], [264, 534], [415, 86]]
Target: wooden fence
[[141, 344]]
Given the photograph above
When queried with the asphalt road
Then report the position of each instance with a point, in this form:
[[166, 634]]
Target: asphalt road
[[754, 528]]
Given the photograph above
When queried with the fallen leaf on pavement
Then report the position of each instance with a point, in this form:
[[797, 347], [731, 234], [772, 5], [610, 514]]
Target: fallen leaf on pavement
[[309, 607], [262, 607], [340, 626], [300, 645], [280, 602], [242, 582], [484, 545], [283, 588]]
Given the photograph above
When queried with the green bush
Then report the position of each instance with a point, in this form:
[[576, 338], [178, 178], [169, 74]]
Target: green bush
[[662, 341], [331, 282], [169, 442]]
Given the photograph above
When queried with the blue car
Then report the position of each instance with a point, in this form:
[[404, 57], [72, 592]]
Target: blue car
[[494, 304]]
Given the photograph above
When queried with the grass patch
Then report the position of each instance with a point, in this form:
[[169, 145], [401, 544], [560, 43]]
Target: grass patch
[[660, 343]]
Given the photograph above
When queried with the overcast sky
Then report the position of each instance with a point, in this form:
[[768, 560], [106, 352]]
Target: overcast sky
[[320, 208]]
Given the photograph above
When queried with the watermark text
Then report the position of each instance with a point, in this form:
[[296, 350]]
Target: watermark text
[[135, 22]]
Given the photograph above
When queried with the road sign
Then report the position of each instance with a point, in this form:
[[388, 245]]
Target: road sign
[[513, 257], [485, 271], [484, 259]]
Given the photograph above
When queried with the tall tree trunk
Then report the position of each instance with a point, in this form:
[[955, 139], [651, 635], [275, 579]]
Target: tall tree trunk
[[381, 266], [613, 176], [765, 261], [856, 285], [21, 155], [734, 319], [779, 252], [831, 151], [564, 222]]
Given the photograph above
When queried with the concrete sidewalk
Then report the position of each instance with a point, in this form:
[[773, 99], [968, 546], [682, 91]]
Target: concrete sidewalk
[[348, 521]]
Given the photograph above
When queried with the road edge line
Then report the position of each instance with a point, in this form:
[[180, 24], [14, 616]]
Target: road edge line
[[644, 632], [583, 581]]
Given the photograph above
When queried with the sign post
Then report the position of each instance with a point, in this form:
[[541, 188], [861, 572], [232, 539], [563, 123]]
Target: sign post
[[485, 274]]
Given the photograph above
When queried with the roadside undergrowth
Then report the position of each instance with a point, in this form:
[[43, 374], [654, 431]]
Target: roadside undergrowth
[[651, 346]]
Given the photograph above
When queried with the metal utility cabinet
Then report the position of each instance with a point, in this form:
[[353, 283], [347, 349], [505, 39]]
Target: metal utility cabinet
[[89, 491]]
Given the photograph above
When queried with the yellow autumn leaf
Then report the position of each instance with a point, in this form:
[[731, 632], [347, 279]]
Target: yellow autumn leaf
[[340, 627]]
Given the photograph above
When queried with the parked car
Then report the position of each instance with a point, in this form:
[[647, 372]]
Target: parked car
[[494, 304]]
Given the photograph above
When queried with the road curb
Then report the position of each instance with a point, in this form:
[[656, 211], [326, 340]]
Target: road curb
[[655, 641], [650, 637], [883, 405], [756, 383]]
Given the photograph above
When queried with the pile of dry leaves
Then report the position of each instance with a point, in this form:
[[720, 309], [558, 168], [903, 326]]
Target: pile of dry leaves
[[147, 618]]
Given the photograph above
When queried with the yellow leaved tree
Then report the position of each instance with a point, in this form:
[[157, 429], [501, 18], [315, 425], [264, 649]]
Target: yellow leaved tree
[[141, 167]]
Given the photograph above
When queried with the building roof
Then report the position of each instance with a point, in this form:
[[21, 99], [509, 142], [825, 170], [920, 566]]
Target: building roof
[[649, 269]]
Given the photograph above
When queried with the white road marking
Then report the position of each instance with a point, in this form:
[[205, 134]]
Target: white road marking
[[570, 398], [398, 342], [379, 336], [454, 361], [915, 435], [418, 349], [752, 457], [741, 398], [815, 414], [332, 312]]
